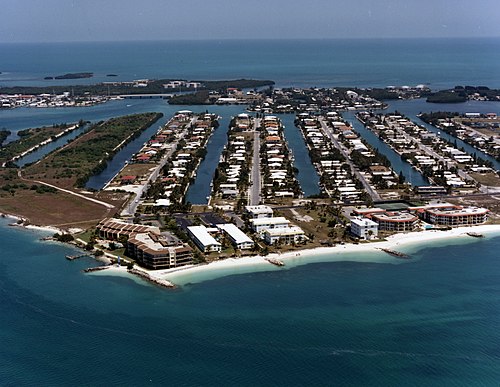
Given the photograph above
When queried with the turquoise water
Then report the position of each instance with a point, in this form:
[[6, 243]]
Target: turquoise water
[[431, 321], [343, 62]]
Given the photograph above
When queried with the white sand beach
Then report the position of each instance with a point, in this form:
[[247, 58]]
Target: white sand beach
[[371, 252]]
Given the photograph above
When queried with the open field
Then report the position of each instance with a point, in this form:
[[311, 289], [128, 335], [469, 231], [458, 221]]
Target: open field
[[489, 179], [55, 209]]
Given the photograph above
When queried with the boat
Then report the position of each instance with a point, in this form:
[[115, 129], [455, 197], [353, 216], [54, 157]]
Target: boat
[[475, 234]]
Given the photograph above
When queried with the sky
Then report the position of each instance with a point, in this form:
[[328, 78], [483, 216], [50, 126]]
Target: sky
[[125, 20]]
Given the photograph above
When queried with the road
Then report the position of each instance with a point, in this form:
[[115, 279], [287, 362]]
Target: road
[[130, 209], [328, 131], [107, 205], [436, 156], [255, 187]]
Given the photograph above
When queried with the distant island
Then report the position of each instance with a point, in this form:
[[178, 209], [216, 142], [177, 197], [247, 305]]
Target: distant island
[[143, 86], [71, 76], [464, 93], [111, 75]]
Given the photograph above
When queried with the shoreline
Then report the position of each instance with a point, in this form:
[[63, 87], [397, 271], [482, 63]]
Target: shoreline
[[191, 274], [182, 276]]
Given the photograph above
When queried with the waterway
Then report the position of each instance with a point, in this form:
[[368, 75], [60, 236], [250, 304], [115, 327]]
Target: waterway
[[412, 108], [46, 149], [199, 190], [98, 182], [22, 118], [414, 177], [307, 176]]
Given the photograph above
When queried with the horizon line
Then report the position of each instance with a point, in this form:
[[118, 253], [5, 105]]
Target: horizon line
[[254, 39]]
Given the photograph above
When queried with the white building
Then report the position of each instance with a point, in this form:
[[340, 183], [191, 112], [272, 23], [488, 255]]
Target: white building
[[258, 212], [364, 228], [285, 235], [202, 239], [238, 238], [261, 224]]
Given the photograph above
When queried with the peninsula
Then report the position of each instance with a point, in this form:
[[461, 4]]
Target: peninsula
[[256, 203]]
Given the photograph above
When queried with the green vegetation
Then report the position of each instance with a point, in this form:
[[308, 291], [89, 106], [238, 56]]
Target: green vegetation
[[198, 98], [13, 187], [447, 96], [153, 87], [88, 155], [433, 117], [462, 93], [379, 94], [28, 139], [75, 76], [3, 135], [64, 237]]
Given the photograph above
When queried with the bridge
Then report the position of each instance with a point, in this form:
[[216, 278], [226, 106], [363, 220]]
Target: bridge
[[146, 96]]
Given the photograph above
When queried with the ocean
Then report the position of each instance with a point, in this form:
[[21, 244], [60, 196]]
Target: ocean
[[433, 320], [371, 320], [438, 63]]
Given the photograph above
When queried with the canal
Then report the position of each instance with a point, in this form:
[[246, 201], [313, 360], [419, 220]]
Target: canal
[[307, 176], [414, 177], [41, 152], [199, 190], [411, 108]]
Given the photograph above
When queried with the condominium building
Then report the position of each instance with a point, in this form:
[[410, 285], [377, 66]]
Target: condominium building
[[237, 237], [285, 235], [395, 221], [155, 252], [203, 240], [456, 216], [364, 228]]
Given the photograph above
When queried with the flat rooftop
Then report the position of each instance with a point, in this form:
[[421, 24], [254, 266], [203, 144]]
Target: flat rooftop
[[235, 233]]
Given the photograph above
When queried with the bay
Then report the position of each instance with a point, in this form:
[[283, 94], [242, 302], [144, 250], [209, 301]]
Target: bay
[[430, 321]]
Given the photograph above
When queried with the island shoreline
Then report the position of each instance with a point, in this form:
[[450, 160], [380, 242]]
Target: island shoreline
[[232, 266]]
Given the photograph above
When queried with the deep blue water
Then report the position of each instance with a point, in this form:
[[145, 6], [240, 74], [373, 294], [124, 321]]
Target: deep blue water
[[430, 321], [344, 62]]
